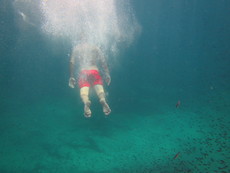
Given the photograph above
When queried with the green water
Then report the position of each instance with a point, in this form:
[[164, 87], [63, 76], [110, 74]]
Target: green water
[[181, 54]]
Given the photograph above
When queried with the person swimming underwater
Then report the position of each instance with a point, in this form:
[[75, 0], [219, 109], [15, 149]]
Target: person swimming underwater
[[87, 57]]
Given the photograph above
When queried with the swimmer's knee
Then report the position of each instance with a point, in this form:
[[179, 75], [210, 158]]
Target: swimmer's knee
[[85, 98], [83, 95], [101, 96]]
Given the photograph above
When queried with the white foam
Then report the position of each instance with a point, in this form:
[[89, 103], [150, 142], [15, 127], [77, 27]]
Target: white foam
[[105, 23]]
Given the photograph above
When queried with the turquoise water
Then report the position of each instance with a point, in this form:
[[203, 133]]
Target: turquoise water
[[181, 54]]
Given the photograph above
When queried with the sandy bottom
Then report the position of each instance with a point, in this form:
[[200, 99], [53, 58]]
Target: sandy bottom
[[52, 135]]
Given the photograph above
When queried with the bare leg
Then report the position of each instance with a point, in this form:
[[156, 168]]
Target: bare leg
[[84, 92], [101, 95]]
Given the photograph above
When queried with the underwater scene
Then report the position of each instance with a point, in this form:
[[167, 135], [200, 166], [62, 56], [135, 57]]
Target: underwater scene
[[114, 86]]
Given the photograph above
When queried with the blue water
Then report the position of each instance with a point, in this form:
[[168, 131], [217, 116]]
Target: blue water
[[182, 54]]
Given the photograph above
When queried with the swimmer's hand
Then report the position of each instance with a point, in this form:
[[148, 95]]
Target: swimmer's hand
[[72, 82], [107, 78]]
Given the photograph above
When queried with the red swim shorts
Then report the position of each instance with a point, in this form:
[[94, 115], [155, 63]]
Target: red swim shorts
[[88, 78]]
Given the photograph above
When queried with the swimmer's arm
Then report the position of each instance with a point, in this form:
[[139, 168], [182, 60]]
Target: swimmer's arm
[[71, 64], [105, 67], [106, 70], [72, 80], [71, 69], [104, 64]]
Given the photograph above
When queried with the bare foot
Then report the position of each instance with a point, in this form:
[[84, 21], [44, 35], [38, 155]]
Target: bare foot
[[106, 108], [87, 111]]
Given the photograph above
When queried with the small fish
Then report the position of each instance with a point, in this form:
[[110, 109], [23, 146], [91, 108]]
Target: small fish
[[178, 104], [176, 156]]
